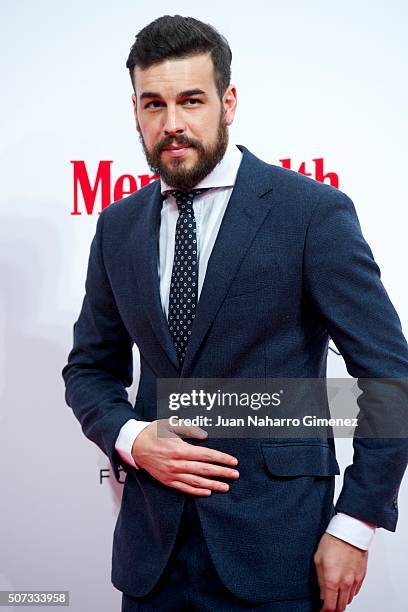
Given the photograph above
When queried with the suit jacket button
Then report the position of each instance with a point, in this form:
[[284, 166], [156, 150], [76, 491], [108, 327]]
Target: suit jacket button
[[395, 504]]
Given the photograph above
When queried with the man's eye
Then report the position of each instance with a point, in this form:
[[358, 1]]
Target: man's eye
[[158, 103], [148, 105]]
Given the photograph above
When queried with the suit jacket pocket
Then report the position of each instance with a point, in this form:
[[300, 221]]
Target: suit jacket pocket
[[297, 459]]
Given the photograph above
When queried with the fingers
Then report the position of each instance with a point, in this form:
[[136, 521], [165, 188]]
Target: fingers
[[205, 469], [184, 450], [343, 597], [191, 482], [188, 473], [185, 488], [337, 599], [358, 586], [181, 465], [329, 599], [203, 483], [353, 592], [340, 570], [199, 453]]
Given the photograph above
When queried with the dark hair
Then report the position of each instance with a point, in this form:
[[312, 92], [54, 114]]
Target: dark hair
[[175, 37]]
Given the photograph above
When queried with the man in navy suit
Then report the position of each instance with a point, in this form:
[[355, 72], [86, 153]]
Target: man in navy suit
[[228, 267]]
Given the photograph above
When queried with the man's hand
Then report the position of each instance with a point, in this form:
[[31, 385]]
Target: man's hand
[[176, 463], [341, 568]]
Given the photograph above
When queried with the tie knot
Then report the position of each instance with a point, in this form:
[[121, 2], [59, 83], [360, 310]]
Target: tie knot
[[185, 199]]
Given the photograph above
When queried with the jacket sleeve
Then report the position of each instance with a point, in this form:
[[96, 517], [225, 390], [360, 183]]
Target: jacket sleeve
[[342, 281], [100, 364]]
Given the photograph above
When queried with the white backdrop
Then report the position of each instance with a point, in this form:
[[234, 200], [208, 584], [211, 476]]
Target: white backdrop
[[315, 80]]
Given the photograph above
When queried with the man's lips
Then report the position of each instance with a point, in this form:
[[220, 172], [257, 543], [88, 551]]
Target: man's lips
[[175, 147], [176, 150]]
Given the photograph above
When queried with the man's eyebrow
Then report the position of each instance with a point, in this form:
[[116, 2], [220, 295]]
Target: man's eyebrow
[[191, 92], [183, 94]]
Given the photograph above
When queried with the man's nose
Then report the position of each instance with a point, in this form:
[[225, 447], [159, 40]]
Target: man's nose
[[173, 123]]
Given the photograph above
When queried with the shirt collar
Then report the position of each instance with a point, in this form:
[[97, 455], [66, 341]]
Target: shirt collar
[[223, 175]]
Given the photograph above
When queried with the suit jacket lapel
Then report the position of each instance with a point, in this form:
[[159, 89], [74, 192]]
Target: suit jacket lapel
[[147, 249]]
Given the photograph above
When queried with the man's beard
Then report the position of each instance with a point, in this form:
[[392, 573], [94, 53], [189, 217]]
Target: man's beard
[[175, 174]]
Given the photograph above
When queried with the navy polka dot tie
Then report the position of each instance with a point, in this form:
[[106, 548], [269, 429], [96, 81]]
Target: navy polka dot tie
[[184, 277]]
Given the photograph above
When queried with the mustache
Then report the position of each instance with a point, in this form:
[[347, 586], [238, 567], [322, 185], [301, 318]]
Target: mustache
[[171, 140]]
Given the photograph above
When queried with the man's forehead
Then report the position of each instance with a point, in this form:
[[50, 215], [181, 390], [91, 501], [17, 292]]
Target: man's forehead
[[187, 72]]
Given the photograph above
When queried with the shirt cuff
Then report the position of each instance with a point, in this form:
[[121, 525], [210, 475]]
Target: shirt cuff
[[351, 530], [127, 435]]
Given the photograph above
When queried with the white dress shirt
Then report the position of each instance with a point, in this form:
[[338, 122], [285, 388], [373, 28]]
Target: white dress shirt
[[209, 208]]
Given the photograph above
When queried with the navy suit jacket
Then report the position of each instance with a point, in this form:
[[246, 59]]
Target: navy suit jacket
[[289, 268]]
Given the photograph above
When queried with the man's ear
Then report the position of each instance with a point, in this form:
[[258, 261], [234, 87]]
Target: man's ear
[[229, 102], [134, 103]]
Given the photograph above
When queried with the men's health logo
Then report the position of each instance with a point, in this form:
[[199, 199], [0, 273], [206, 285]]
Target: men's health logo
[[94, 191]]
